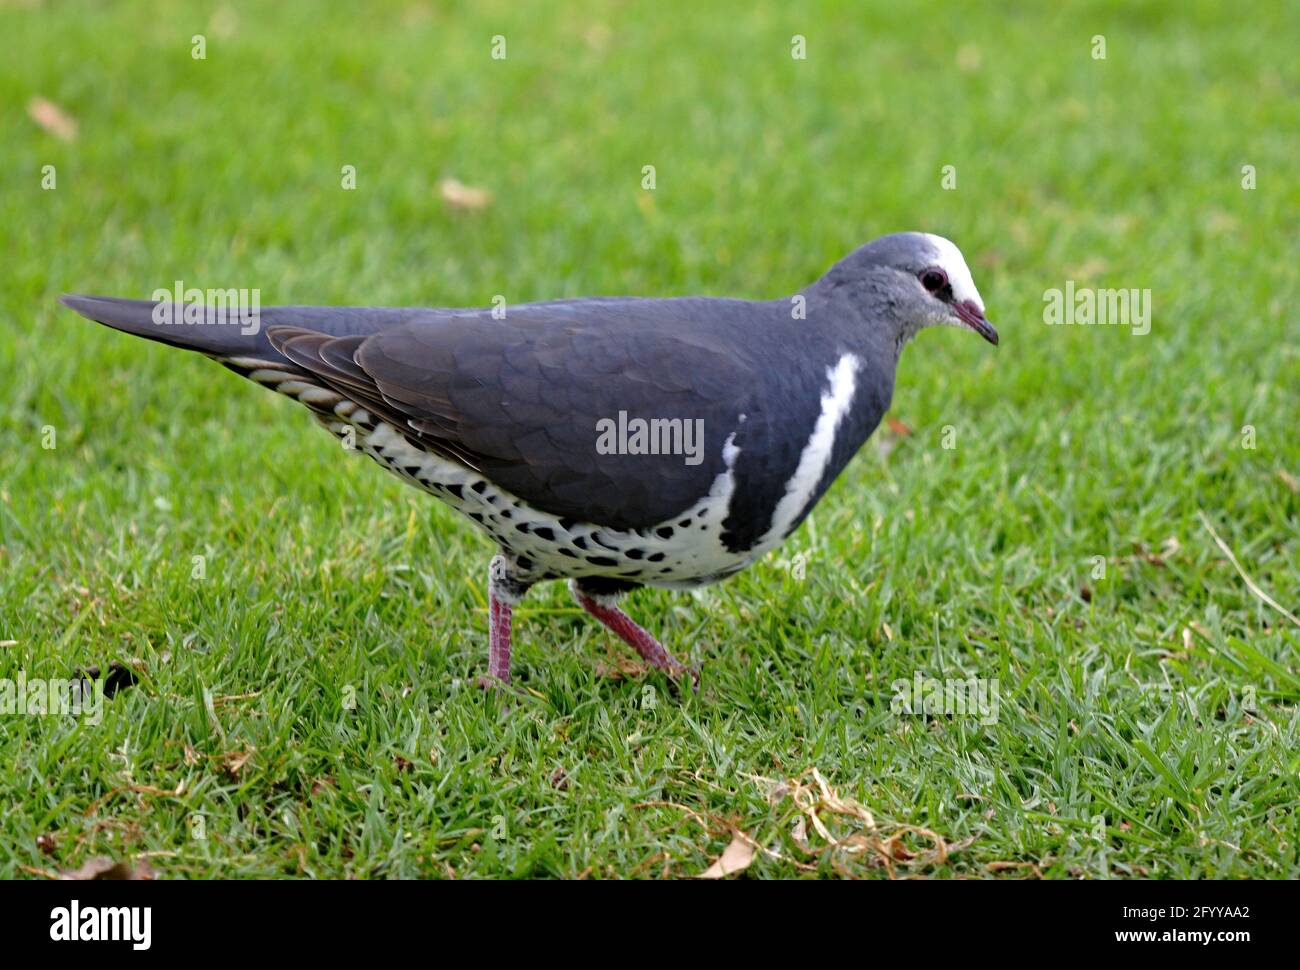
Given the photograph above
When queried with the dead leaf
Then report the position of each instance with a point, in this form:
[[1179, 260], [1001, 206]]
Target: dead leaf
[[52, 118], [735, 858], [799, 832], [1003, 866], [619, 666], [1288, 480], [234, 761], [460, 196], [47, 843], [320, 784], [102, 867], [897, 850], [900, 428], [560, 780]]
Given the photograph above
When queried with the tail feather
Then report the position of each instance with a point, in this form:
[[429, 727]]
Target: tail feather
[[232, 338]]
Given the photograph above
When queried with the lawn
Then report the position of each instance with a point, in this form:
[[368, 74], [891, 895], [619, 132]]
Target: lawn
[[306, 630]]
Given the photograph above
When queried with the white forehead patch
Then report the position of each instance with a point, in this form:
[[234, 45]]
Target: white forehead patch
[[951, 261]]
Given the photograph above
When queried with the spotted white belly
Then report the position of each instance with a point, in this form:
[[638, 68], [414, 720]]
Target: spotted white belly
[[681, 552]]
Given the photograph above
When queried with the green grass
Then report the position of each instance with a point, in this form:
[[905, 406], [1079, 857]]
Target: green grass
[[1161, 696]]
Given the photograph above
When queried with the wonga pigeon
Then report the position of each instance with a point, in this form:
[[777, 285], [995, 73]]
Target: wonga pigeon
[[613, 442]]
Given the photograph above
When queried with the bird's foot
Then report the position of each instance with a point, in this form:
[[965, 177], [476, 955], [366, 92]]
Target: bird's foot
[[626, 629], [677, 672]]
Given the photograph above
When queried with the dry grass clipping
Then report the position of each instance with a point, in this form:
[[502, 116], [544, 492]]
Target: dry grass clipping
[[824, 827]]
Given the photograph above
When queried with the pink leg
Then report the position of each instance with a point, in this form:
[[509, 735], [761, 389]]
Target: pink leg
[[635, 636], [503, 590], [499, 640], [498, 674]]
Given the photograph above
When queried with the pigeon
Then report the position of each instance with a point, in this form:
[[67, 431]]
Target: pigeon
[[616, 442]]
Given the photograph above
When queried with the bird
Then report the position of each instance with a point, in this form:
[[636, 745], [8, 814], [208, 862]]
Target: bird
[[613, 442]]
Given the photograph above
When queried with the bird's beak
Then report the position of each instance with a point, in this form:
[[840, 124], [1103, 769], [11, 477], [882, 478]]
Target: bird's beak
[[973, 316]]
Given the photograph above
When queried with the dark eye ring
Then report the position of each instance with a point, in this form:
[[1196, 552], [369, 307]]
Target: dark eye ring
[[934, 279]]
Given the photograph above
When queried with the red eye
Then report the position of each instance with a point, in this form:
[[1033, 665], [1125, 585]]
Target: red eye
[[934, 279]]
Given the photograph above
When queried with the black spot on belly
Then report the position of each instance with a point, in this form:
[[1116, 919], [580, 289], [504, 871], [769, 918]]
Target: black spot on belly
[[664, 532], [507, 514], [580, 542], [479, 487], [568, 552], [634, 553], [602, 561], [455, 490], [413, 471], [545, 534], [655, 557], [523, 562], [476, 517], [685, 523], [522, 527]]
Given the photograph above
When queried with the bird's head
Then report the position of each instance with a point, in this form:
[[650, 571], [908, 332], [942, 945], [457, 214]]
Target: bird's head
[[923, 279]]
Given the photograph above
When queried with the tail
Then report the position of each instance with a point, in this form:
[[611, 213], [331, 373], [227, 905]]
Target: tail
[[233, 338]]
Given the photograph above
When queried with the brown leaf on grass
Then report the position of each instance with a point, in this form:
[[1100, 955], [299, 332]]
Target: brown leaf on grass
[[823, 824], [799, 832], [457, 195], [1289, 480], [560, 780], [233, 762], [102, 867], [318, 785], [1032, 868], [223, 699], [736, 857], [52, 118], [821, 808], [900, 428], [400, 763], [620, 666], [47, 843]]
